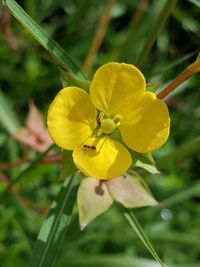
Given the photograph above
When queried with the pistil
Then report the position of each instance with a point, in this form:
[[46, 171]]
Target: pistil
[[108, 124]]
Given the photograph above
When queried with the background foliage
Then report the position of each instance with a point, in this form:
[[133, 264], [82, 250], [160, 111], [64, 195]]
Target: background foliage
[[27, 73]]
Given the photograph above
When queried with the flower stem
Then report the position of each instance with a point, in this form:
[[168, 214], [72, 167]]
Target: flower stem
[[164, 14], [186, 74]]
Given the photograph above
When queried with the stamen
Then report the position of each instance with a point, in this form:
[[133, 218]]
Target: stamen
[[118, 117], [101, 116]]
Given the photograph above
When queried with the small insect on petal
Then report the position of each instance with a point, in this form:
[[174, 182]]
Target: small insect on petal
[[91, 147]]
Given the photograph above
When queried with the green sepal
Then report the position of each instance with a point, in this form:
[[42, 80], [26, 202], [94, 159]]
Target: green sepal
[[144, 161], [116, 135]]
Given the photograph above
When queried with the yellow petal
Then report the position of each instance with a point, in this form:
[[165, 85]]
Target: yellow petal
[[71, 117], [146, 123], [114, 83], [102, 158]]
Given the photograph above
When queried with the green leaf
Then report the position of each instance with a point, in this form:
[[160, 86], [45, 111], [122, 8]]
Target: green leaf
[[53, 229], [130, 191], [148, 167], [68, 79], [42, 37], [68, 166], [141, 234], [93, 199], [8, 118], [144, 161]]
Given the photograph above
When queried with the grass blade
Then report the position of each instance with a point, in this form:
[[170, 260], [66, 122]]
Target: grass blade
[[141, 234], [41, 36], [53, 229]]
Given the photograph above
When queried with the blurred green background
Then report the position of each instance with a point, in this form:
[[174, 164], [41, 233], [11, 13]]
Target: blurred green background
[[27, 72]]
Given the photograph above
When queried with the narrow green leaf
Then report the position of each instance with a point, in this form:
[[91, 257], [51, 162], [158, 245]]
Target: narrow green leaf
[[141, 234], [41, 36], [8, 118], [53, 229], [68, 79]]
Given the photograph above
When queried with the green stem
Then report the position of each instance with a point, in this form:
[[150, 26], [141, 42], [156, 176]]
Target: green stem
[[164, 14], [43, 38], [141, 234]]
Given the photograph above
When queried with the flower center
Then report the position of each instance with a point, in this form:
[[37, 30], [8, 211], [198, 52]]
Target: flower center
[[108, 124]]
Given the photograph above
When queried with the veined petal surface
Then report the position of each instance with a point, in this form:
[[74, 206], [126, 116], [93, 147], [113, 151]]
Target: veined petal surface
[[71, 117], [102, 158], [93, 199], [146, 122], [130, 191], [114, 83]]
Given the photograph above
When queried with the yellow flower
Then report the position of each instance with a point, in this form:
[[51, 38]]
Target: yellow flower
[[86, 123]]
